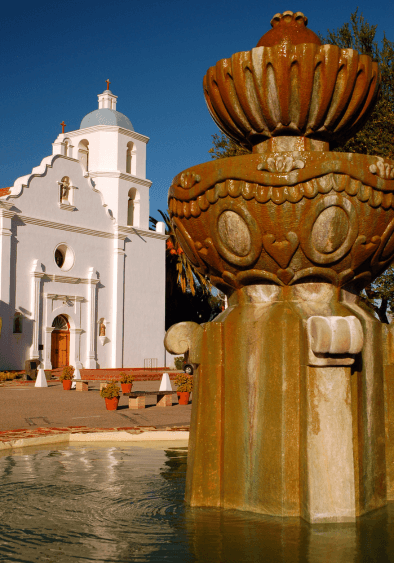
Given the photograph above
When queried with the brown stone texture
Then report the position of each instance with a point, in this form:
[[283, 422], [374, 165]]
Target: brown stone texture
[[272, 434], [292, 411]]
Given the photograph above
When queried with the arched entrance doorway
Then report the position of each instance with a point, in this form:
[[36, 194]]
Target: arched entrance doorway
[[60, 342]]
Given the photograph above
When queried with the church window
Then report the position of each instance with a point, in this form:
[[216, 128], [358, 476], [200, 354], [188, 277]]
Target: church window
[[65, 148], [17, 324], [64, 257], [83, 153], [59, 258], [129, 157]]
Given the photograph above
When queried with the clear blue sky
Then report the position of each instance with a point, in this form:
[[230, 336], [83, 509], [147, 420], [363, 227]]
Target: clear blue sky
[[56, 56]]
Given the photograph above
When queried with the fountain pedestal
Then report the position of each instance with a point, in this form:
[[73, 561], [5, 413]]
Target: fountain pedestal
[[288, 416]]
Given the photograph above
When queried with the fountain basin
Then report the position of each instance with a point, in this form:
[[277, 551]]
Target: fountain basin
[[281, 217]]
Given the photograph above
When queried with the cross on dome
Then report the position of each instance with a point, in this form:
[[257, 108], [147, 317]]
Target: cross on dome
[[108, 83]]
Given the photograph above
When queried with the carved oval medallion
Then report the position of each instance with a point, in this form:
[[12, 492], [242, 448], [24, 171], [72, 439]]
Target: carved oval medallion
[[330, 230], [234, 233]]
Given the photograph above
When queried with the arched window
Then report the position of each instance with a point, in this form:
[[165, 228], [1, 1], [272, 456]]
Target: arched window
[[133, 208], [129, 157], [17, 324], [83, 153], [66, 143]]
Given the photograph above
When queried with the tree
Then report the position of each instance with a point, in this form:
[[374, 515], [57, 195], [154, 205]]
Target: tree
[[188, 293], [376, 137], [224, 147]]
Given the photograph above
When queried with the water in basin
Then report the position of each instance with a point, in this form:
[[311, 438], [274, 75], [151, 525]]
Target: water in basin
[[124, 503]]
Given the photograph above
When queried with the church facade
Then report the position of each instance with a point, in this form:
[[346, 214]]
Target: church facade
[[82, 278]]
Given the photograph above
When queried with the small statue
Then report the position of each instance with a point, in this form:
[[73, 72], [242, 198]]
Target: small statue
[[102, 329], [64, 190]]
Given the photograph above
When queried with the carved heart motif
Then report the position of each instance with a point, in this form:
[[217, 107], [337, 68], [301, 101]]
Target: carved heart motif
[[285, 275], [281, 252], [361, 251]]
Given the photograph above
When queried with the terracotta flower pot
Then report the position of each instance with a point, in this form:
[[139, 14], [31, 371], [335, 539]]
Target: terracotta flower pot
[[126, 387], [67, 384], [112, 404], [183, 397]]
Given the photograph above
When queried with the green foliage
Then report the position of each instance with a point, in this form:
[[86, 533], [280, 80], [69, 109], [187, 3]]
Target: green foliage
[[126, 378], [224, 147], [376, 137], [187, 276], [184, 382], [188, 293], [68, 373], [379, 296], [9, 375], [178, 362], [111, 390]]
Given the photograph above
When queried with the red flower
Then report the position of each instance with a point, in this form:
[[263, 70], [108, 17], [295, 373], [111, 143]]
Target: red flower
[[180, 251]]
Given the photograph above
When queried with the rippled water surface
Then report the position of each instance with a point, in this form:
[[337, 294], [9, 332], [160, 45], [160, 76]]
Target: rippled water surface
[[125, 503]]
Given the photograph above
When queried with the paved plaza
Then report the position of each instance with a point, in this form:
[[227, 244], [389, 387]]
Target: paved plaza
[[27, 411]]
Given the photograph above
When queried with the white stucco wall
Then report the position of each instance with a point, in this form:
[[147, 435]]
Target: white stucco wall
[[38, 224], [144, 322]]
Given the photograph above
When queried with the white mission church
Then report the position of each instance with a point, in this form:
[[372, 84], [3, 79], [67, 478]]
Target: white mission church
[[82, 278]]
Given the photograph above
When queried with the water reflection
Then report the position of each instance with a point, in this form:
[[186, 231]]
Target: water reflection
[[231, 536], [125, 504]]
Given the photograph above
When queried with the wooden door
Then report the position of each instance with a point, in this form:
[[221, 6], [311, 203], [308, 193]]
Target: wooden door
[[60, 348]]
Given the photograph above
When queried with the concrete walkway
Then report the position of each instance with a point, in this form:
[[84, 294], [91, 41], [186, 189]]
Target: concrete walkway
[[29, 412]]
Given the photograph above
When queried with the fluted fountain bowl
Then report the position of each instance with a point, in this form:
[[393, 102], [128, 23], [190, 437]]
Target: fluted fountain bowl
[[292, 85], [282, 217]]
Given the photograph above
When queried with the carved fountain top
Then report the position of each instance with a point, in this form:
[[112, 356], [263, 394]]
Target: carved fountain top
[[291, 213], [291, 28], [291, 85]]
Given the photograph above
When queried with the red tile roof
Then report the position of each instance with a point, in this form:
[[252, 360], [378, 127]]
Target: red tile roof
[[5, 191]]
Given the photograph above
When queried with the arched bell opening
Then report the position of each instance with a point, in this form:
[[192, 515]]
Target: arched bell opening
[[133, 208]]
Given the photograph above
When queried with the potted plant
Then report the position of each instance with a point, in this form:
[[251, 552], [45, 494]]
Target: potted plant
[[111, 395], [126, 382], [184, 385], [66, 377]]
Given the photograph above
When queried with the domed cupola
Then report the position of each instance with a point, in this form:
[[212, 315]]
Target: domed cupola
[[106, 113]]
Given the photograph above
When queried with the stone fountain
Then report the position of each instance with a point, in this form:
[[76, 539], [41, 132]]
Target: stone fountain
[[292, 399]]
